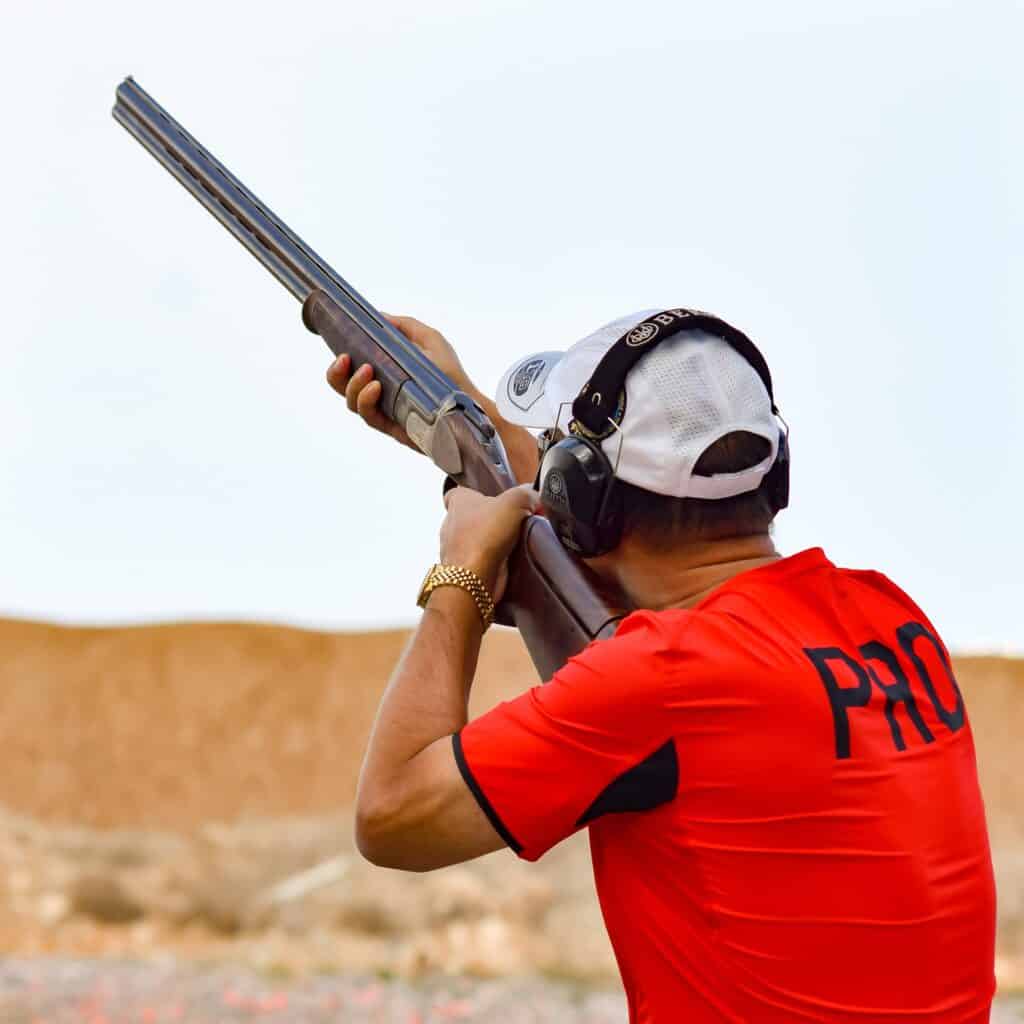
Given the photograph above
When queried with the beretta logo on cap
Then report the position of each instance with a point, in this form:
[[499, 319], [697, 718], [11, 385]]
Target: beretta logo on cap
[[525, 376], [645, 332], [526, 382], [641, 334]]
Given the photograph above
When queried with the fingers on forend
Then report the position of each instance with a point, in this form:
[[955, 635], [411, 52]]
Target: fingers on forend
[[366, 400], [338, 372]]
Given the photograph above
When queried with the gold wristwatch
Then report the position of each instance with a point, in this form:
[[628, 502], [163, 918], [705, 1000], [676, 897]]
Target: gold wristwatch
[[464, 579]]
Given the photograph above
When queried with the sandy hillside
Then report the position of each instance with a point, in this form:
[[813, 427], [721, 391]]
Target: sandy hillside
[[186, 787], [171, 726]]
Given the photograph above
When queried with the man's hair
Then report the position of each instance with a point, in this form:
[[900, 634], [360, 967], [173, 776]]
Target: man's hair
[[664, 521]]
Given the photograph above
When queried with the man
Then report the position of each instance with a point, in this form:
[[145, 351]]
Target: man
[[771, 755]]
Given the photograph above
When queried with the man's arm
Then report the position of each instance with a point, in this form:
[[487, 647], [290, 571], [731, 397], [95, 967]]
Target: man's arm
[[413, 809]]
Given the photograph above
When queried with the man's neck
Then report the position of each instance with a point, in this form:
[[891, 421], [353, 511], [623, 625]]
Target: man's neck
[[683, 576]]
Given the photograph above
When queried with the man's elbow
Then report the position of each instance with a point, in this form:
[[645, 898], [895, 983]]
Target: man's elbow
[[383, 835], [374, 818]]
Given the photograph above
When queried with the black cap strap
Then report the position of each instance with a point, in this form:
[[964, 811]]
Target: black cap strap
[[597, 403]]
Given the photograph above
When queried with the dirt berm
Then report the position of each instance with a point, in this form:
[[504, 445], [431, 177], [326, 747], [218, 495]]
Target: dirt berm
[[186, 787]]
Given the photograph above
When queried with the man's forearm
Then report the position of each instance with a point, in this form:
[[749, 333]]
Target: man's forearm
[[425, 701], [415, 809]]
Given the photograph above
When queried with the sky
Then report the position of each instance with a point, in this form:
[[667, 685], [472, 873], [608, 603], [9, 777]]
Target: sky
[[839, 180]]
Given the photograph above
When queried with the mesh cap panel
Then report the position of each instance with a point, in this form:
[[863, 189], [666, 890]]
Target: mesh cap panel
[[682, 396], [696, 378]]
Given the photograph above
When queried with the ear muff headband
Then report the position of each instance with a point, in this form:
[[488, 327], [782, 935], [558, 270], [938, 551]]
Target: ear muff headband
[[596, 405]]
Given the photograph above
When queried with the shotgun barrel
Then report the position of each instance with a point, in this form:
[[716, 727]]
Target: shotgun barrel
[[271, 241], [552, 598]]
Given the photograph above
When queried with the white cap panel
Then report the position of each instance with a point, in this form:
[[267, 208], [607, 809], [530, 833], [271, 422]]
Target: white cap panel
[[684, 395]]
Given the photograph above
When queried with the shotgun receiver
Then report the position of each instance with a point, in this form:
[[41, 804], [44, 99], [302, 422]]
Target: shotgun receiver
[[552, 598]]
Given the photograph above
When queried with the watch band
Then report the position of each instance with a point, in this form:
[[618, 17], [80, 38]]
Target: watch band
[[465, 579]]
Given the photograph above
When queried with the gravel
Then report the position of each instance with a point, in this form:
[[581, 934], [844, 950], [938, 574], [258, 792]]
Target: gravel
[[66, 991], [53, 991]]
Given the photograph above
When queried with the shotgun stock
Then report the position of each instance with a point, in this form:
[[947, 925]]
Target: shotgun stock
[[552, 598]]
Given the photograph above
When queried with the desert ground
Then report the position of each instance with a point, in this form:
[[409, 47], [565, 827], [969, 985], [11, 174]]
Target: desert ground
[[175, 841]]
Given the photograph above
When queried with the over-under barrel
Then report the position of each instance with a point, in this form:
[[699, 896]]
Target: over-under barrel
[[279, 249], [552, 598]]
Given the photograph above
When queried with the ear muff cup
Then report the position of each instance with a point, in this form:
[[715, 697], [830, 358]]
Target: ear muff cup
[[578, 492], [777, 478]]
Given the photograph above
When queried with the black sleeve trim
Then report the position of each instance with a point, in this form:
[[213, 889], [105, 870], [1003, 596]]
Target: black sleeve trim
[[481, 799]]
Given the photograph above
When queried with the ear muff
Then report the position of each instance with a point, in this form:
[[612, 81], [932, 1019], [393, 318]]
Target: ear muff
[[777, 478], [578, 492]]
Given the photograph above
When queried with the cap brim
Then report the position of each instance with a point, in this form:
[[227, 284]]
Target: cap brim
[[522, 396]]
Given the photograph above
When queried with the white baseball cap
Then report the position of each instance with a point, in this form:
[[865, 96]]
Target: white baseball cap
[[681, 397]]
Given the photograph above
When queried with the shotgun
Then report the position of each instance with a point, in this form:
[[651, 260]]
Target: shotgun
[[554, 601]]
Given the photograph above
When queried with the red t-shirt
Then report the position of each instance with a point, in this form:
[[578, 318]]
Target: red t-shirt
[[782, 798]]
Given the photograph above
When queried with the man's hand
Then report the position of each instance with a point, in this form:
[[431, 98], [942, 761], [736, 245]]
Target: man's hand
[[479, 533], [362, 392]]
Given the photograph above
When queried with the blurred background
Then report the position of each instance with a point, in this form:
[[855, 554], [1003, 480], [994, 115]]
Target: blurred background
[[208, 565]]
